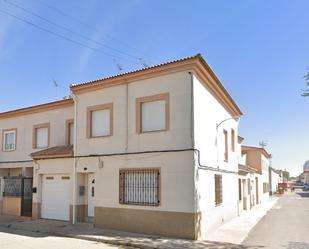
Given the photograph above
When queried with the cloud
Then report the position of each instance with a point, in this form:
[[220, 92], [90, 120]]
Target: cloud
[[102, 33], [5, 27]]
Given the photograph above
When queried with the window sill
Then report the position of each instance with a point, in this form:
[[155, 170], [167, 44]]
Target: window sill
[[9, 150], [149, 132], [100, 136]]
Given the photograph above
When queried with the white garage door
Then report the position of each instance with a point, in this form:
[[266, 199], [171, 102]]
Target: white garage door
[[56, 197]]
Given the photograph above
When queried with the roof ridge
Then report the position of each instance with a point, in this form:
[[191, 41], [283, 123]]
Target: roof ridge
[[72, 85]]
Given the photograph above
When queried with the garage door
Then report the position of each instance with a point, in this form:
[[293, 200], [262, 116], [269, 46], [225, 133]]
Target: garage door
[[56, 197]]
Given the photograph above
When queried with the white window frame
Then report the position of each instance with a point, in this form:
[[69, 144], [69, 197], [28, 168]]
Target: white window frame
[[8, 131]]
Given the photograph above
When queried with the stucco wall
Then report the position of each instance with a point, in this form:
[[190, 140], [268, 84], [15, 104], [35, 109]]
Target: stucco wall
[[125, 138], [208, 112], [24, 125]]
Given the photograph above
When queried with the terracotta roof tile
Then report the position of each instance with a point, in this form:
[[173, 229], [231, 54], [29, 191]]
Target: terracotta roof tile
[[57, 151]]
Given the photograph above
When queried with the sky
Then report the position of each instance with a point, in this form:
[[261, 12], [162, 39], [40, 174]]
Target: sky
[[258, 48]]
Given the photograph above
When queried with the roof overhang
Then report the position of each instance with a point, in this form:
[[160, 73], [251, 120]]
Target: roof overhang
[[37, 108], [65, 151], [195, 63]]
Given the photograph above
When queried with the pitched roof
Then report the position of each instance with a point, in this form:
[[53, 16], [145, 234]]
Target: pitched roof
[[245, 169], [37, 108], [54, 152], [194, 63], [244, 149]]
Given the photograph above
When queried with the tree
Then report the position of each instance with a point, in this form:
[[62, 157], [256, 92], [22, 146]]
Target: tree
[[306, 92]]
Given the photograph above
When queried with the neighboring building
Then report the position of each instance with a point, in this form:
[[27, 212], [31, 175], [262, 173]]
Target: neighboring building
[[152, 151], [305, 176], [247, 179], [25, 131], [259, 159], [275, 177]]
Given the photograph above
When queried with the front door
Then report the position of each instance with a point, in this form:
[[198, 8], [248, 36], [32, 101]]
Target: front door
[[26, 194], [91, 193]]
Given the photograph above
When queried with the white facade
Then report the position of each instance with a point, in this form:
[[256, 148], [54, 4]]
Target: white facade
[[189, 146]]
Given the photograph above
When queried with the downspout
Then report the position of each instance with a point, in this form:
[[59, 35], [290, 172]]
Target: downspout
[[74, 159]]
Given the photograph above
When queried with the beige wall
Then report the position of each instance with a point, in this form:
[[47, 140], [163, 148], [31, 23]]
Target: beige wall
[[177, 180], [51, 166], [24, 125], [254, 160], [124, 136], [11, 206]]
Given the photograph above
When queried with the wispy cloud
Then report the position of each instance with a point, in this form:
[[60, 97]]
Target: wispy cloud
[[5, 26], [102, 33]]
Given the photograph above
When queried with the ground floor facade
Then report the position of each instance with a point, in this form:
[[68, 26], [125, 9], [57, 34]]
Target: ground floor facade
[[155, 193]]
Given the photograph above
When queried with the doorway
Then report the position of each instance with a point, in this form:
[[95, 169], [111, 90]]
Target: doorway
[[91, 194]]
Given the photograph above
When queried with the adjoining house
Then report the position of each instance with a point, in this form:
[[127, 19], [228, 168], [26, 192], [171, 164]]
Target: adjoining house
[[25, 131], [151, 151], [259, 159], [275, 177], [247, 182]]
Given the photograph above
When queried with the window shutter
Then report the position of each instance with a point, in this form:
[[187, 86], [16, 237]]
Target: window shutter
[[153, 116], [42, 137], [100, 123]]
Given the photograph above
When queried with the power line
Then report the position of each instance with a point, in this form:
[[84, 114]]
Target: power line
[[65, 37], [61, 12], [68, 30]]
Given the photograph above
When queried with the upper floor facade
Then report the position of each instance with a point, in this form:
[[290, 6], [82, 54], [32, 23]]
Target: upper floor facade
[[174, 106]]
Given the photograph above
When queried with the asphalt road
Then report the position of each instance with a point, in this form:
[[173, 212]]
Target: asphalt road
[[16, 239], [286, 225]]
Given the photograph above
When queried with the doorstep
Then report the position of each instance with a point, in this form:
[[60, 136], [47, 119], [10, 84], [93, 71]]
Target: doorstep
[[86, 231]]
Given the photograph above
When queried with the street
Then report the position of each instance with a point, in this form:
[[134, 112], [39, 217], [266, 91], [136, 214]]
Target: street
[[17, 239], [284, 226]]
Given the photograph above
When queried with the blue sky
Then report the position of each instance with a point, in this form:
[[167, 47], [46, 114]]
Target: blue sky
[[258, 48]]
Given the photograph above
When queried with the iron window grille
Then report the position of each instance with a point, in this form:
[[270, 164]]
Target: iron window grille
[[139, 187]]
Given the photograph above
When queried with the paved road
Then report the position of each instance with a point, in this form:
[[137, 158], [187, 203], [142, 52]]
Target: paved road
[[286, 225], [13, 239]]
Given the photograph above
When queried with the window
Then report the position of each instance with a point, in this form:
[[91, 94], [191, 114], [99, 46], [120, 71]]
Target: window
[[218, 189], [139, 187], [239, 190], [233, 140], [9, 140], [226, 146], [41, 136], [100, 121], [265, 187], [70, 132], [152, 113]]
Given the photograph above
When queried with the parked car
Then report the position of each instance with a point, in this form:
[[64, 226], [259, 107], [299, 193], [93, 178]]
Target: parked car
[[306, 187]]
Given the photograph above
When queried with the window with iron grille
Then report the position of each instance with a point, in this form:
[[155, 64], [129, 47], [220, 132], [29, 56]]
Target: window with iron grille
[[139, 187], [218, 189]]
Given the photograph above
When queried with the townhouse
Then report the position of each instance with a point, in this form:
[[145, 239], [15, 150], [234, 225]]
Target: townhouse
[[25, 131], [258, 159], [247, 181], [153, 151], [275, 177]]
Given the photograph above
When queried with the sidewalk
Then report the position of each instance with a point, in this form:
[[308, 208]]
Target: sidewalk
[[86, 231], [228, 236], [236, 230]]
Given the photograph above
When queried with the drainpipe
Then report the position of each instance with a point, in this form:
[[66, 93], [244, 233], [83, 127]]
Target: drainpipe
[[74, 159]]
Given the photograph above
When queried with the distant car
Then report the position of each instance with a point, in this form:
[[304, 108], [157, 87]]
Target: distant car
[[306, 187]]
